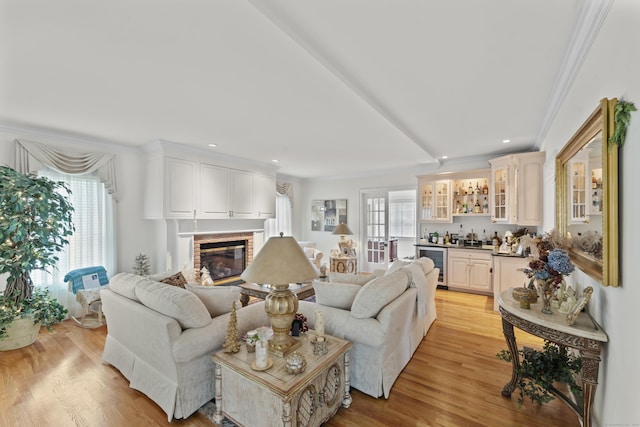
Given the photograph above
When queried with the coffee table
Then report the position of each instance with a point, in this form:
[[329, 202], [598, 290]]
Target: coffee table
[[274, 397], [301, 290]]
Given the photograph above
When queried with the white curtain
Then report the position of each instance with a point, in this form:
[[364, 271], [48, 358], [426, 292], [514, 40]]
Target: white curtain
[[91, 244], [282, 222], [91, 175]]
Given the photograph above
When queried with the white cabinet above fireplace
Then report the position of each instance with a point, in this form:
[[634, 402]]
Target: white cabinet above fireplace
[[229, 193], [184, 187]]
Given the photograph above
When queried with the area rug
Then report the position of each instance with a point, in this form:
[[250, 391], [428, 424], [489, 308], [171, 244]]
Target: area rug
[[208, 409]]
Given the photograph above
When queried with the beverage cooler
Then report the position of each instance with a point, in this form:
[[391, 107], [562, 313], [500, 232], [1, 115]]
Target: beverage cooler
[[439, 257]]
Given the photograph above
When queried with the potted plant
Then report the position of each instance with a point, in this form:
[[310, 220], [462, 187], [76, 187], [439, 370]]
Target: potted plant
[[35, 222], [540, 371]]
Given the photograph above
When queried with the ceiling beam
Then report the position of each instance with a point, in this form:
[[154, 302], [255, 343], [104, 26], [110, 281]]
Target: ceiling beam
[[323, 58]]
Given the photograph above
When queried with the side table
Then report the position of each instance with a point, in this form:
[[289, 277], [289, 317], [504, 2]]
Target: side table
[[344, 264], [584, 335], [274, 397]]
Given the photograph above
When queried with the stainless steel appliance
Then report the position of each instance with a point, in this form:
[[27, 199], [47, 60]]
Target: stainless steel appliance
[[439, 257]]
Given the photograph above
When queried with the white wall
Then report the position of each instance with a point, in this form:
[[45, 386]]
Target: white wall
[[615, 309]]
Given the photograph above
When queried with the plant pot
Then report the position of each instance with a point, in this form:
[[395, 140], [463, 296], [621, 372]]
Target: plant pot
[[20, 333]]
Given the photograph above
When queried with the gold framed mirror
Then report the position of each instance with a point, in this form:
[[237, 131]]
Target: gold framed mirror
[[587, 196]]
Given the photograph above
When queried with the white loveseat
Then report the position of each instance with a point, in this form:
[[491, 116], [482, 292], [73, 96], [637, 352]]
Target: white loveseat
[[384, 316], [161, 338]]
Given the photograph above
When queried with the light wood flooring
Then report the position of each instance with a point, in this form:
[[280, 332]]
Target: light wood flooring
[[454, 379]]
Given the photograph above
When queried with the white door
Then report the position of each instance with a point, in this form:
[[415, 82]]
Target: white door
[[373, 245]]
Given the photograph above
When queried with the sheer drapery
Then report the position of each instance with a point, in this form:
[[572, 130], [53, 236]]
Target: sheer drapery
[[91, 244], [282, 222], [31, 156]]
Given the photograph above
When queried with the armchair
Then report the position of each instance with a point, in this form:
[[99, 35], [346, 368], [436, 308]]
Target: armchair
[[312, 252]]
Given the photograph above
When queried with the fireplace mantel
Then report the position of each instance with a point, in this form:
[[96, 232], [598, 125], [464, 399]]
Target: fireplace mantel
[[188, 234]]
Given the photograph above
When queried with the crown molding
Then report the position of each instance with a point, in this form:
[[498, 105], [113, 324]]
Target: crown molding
[[591, 16]]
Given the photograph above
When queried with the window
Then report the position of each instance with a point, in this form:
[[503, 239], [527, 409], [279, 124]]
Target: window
[[402, 214], [282, 222], [91, 244]]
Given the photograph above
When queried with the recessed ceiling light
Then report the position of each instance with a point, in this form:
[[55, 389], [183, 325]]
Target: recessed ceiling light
[[506, 141], [445, 157], [275, 161], [213, 145]]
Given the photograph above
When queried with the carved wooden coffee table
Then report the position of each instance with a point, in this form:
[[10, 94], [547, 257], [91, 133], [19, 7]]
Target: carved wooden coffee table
[[274, 397], [302, 291]]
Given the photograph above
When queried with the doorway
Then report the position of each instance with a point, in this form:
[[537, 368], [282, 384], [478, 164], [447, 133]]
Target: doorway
[[389, 219]]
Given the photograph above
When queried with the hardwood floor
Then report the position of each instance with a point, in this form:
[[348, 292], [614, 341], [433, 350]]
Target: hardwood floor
[[454, 379]]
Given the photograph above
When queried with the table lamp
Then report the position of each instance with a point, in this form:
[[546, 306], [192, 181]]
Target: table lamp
[[343, 230], [281, 261]]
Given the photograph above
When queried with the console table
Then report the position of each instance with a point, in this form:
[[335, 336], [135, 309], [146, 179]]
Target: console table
[[274, 397], [584, 335]]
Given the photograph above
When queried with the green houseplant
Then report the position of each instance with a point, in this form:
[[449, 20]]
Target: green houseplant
[[540, 371], [35, 222]]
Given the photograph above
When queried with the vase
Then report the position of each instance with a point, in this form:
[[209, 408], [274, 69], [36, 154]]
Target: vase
[[546, 293]]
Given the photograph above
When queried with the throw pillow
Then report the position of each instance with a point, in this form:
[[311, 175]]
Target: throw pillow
[[309, 252], [379, 292], [175, 302], [338, 295], [354, 279], [175, 280], [217, 299]]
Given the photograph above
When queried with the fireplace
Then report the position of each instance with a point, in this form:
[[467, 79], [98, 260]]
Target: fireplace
[[224, 255]]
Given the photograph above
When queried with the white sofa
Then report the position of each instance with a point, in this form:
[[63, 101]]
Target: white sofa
[[384, 317], [161, 337]]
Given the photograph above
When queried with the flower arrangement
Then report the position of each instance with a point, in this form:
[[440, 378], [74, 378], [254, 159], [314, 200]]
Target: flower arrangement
[[303, 319], [549, 268]]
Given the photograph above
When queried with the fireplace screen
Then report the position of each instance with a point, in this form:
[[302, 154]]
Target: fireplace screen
[[224, 260]]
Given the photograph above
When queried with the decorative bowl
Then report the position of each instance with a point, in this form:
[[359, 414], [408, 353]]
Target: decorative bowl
[[295, 363], [520, 291]]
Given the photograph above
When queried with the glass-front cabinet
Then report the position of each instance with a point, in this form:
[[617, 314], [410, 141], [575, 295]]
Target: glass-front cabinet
[[579, 200], [435, 201], [500, 198]]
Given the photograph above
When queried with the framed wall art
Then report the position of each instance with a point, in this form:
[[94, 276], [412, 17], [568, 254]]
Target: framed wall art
[[327, 214]]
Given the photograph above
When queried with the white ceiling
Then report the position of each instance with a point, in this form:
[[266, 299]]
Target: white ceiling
[[329, 87]]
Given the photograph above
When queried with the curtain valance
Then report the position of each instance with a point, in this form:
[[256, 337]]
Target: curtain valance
[[30, 155], [285, 189]]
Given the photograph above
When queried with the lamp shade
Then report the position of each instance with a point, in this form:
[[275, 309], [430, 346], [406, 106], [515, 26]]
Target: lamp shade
[[343, 230], [280, 261]]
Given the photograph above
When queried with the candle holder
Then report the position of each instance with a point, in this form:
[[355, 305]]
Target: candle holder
[[320, 347]]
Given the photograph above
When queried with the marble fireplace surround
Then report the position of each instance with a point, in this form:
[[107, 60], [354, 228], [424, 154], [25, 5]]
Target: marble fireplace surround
[[203, 238]]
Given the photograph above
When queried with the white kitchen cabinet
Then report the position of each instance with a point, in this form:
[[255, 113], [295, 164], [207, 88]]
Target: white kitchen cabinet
[[435, 200], [469, 270], [265, 196], [507, 273], [516, 186]]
